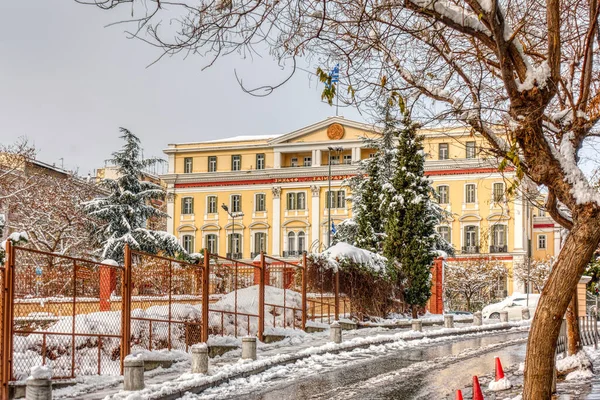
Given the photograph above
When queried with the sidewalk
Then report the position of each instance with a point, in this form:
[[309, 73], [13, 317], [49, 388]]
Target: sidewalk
[[173, 382]]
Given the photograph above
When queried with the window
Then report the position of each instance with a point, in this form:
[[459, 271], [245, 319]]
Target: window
[[371, 155], [294, 162], [471, 237], [260, 242], [236, 203], [301, 242], [296, 201], [236, 163], [443, 151], [470, 149], [188, 163], [498, 192], [337, 199], [187, 205], [235, 244], [187, 241], [334, 160], [347, 158], [260, 161], [212, 164], [498, 239], [291, 242], [541, 212], [444, 232], [541, 242], [470, 193], [444, 194], [211, 243], [259, 202], [307, 161], [211, 205]]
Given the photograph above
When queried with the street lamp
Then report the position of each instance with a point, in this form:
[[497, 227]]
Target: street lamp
[[338, 150], [232, 215]]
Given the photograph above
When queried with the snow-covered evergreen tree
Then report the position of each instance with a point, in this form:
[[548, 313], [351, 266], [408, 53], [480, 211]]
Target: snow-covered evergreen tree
[[412, 215], [368, 207], [122, 216]]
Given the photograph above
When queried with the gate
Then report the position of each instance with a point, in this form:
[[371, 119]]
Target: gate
[[285, 295], [63, 312], [164, 302]]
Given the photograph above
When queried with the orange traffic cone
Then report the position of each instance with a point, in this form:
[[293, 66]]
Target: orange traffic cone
[[459, 395], [499, 370], [477, 395]]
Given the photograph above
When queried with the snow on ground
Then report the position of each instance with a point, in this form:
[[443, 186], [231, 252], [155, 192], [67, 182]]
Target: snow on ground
[[316, 355], [397, 319]]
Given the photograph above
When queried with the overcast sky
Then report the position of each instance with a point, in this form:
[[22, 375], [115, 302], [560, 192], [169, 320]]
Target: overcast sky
[[67, 83]]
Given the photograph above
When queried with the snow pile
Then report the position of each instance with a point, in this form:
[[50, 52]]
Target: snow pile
[[111, 262], [15, 237], [343, 252], [500, 384], [40, 372], [579, 375], [160, 355], [576, 361]]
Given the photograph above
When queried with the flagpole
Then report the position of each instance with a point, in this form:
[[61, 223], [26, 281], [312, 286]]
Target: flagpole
[[337, 99]]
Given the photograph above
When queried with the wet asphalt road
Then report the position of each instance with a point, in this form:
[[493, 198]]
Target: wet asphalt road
[[430, 372]]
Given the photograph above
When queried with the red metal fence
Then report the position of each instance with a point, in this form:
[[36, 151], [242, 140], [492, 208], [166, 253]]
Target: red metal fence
[[82, 317]]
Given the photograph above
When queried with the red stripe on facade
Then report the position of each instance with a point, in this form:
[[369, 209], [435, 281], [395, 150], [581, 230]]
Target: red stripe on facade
[[475, 258], [543, 225], [326, 178]]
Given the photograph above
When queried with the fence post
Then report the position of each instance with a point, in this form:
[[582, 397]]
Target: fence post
[[337, 295], [7, 295], [205, 295], [126, 308], [304, 285], [261, 298], [595, 328]]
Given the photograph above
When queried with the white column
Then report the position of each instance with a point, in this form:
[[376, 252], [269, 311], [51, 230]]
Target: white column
[[276, 223], [355, 154], [277, 159], [315, 210], [317, 159], [519, 226], [170, 210], [171, 169], [557, 244]]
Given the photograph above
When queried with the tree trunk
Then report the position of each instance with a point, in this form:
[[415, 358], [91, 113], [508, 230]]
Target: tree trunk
[[541, 346], [573, 335], [415, 315], [468, 303]]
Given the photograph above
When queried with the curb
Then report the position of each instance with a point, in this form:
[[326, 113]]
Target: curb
[[400, 325], [176, 394]]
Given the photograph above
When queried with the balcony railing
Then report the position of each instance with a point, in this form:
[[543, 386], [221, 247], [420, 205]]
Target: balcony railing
[[470, 249], [234, 256], [498, 249], [291, 254]]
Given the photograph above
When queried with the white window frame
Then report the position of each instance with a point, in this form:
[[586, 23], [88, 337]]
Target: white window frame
[[256, 202], [216, 209], [294, 206], [212, 163], [188, 165], [184, 204], [347, 159], [470, 152], [467, 185], [206, 243], [493, 236], [236, 162], [447, 194], [476, 244], [449, 228], [231, 203], [446, 153], [260, 161], [192, 239], [502, 198], [336, 203], [543, 237], [307, 161], [294, 161], [254, 242], [230, 242]]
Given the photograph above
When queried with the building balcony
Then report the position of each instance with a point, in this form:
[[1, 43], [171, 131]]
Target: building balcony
[[498, 249], [470, 250], [234, 256]]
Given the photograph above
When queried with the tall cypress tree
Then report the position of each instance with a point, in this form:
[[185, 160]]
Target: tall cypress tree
[[122, 216], [411, 218]]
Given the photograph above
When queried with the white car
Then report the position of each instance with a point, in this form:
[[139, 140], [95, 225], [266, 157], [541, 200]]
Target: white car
[[513, 305]]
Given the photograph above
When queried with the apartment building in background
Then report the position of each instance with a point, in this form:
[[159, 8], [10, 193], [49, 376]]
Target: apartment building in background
[[276, 191]]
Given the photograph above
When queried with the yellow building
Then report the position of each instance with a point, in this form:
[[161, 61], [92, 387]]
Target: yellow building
[[275, 189]]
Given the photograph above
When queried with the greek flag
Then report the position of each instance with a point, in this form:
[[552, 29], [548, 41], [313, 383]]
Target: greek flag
[[333, 230], [335, 74]]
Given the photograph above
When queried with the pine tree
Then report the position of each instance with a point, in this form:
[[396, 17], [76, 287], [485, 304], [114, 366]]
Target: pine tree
[[412, 215], [368, 211], [123, 215]]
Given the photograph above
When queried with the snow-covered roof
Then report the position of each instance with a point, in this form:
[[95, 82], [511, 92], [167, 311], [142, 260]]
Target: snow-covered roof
[[243, 138]]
